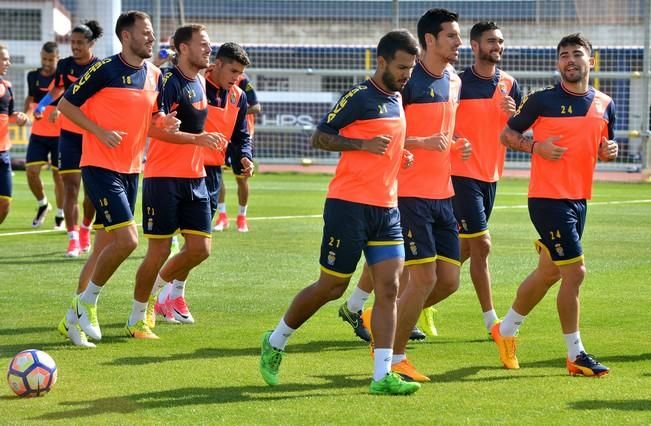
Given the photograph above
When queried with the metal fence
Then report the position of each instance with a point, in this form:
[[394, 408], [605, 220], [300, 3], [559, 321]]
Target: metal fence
[[307, 52]]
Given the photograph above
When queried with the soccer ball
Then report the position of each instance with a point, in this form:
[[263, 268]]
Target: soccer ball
[[32, 373]]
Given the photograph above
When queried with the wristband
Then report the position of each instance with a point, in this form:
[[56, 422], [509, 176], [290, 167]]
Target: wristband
[[533, 143], [47, 100]]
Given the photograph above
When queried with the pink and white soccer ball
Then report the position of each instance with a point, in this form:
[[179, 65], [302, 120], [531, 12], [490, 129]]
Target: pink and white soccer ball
[[32, 373]]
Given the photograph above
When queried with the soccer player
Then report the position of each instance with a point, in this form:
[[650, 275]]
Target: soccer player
[[425, 191], [227, 115], [175, 197], [572, 125], [7, 115], [68, 71], [43, 147], [113, 102], [242, 179], [367, 126], [489, 96]]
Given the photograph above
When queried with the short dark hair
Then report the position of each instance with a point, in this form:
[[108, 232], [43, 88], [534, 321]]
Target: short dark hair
[[480, 28], [233, 52], [127, 20], [431, 22], [574, 39], [183, 34], [396, 40], [50, 47], [90, 29]]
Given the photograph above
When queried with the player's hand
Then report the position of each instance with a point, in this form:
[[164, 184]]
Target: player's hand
[[548, 150], [54, 115], [608, 149], [507, 105], [377, 145], [170, 123], [465, 147], [111, 138], [21, 118], [210, 140], [247, 167], [438, 142], [407, 159]]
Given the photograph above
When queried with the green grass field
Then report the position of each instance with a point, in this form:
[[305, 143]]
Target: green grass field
[[208, 372]]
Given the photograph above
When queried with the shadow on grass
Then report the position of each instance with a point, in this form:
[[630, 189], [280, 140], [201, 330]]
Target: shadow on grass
[[58, 342], [214, 353], [43, 258], [202, 396], [617, 404]]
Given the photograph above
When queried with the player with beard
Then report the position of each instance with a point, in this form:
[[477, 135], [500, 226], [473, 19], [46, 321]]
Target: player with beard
[[489, 97], [367, 126], [7, 115], [69, 70], [572, 125], [175, 198], [43, 147], [116, 103]]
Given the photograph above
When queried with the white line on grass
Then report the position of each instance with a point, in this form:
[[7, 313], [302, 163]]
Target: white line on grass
[[314, 216]]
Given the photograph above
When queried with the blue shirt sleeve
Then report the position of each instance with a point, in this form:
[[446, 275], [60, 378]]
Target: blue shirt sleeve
[[611, 116], [346, 111], [241, 139], [10, 110], [159, 99], [93, 80], [251, 97], [31, 83], [169, 96], [527, 113], [516, 93]]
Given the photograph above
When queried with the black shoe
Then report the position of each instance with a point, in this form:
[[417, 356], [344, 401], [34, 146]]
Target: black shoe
[[355, 320], [58, 223], [40, 215], [417, 334]]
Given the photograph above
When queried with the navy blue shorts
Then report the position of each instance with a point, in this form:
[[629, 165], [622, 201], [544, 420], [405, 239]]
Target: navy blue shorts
[[473, 203], [172, 205], [42, 150], [430, 230], [213, 184], [560, 225], [5, 175], [113, 194], [352, 228], [69, 151]]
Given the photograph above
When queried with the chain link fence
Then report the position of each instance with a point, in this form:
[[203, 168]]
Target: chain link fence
[[305, 53]]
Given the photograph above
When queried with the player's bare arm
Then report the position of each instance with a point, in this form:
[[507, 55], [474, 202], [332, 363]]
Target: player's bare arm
[[110, 138], [247, 167], [608, 149], [464, 147], [508, 106], [438, 142], [54, 93], [327, 142], [168, 122], [254, 109], [547, 149]]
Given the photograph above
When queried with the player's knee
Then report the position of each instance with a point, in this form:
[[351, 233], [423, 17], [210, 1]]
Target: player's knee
[[126, 243], [198, 254], [447, 286], [32, 172], [574, 274], [481, 248]]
